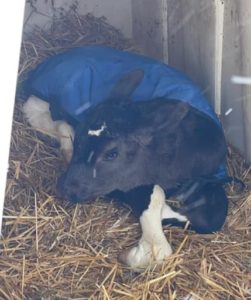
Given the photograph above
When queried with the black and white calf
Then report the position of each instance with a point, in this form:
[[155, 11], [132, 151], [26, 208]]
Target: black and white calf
[[140, 153]]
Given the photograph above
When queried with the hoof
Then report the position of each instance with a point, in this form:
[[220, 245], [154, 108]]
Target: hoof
[[145, 255]]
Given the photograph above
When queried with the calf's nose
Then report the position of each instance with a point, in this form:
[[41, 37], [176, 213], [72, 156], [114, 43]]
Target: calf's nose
[[68, 188]]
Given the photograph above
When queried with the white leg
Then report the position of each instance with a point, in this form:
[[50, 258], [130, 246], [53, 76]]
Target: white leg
[[153, 246], [66, 136], [168, 213], [38, 115]]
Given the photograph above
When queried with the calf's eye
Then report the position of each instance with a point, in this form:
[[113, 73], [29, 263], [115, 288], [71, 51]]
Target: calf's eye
[[111, 155]]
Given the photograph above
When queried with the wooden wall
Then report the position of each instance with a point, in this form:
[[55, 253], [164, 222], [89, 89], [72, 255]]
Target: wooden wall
[[211, 41]]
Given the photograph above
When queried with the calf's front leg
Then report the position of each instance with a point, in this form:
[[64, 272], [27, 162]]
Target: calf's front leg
[[153, 247], [37, 112]]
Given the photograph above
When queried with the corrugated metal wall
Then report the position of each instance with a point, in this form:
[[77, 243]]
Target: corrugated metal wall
[[208, 39]]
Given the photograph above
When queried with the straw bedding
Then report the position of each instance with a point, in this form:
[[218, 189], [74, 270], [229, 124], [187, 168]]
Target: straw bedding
[[52, 249]]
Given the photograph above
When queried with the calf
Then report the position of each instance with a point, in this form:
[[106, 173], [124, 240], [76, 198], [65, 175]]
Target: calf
[[124, 153], [129, 148]]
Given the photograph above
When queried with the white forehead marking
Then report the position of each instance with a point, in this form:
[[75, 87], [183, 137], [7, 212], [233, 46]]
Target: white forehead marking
[[98, 131], [94, 173]]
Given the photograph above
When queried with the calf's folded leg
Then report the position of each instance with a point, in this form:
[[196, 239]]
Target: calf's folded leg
[[153, 247], [37, 112]]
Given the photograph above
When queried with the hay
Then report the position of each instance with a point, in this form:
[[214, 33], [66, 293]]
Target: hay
[[68, 31], [52, 249]]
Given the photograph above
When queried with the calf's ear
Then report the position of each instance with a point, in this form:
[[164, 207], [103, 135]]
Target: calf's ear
[[170, 120], [126, 85]]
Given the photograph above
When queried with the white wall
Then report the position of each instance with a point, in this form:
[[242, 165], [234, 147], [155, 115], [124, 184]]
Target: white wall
[[9, 56]]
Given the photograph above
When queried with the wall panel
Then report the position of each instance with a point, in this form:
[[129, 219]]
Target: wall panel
[[191, 44], [150, 27], [232, 94]]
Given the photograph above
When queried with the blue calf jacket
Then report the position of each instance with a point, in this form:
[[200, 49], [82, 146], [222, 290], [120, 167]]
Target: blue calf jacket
[[82, 77]]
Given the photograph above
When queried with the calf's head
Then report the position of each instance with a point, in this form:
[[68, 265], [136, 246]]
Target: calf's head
[[102, 164], [123, 144], [109, 153]]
